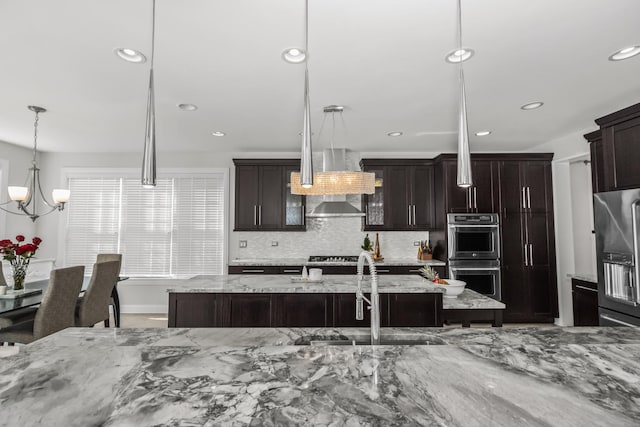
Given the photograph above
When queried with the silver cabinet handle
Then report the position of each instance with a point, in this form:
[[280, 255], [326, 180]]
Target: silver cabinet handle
[[469, 204], [291, 271], [382, 270], [409, 213], [414, 271], [524, 201], [529, 197], [634, 230], [255, 215], [414, 214], [475, 197], [302, 218], [253, 271], [531, 254], [526, 256], [259, 214], [586, 289]]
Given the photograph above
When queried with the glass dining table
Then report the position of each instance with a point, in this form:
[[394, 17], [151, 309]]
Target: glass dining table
[[8, 305]]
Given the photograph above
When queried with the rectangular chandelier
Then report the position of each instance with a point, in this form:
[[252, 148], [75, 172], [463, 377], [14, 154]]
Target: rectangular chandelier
[[335, 183]]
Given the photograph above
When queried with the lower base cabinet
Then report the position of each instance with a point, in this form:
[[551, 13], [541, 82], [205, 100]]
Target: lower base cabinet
[[193, 310]]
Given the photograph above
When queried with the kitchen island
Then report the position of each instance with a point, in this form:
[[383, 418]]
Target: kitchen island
[[276, 301], [466, 377]]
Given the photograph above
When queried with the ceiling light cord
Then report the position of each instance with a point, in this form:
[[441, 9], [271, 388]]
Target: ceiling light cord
[[464, 177], [148, 178], [306, 161], [35, 138]]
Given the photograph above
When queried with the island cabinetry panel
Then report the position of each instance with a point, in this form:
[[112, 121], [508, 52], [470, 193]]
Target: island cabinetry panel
[[302, 310], [296, 270], [246, 310], [263, 199], [413, 310], [344, 311], [404, 195], [193, 310]]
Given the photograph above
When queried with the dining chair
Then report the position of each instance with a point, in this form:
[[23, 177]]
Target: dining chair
[[115, 299], [93, 306], [56, 311]]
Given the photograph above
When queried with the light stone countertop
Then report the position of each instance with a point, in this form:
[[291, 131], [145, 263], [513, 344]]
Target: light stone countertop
[[304, 261], [278, 283], [465, 377]]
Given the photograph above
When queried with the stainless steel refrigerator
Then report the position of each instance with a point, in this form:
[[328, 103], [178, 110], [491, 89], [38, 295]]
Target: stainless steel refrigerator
[[616, 216]]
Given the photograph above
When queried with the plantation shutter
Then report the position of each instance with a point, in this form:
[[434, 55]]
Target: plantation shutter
[[174, 229]]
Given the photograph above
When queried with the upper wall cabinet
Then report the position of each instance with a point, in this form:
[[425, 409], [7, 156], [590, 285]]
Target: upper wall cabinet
[[404, 195], [263, 199], [615, 151]]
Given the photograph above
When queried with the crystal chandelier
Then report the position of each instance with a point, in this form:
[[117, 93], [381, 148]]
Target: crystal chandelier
[[26, 196]]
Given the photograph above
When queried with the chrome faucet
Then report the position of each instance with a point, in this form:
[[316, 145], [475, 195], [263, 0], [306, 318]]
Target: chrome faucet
[[374, 302]]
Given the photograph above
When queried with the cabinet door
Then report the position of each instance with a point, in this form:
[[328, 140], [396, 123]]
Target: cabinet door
[[189, 310], [344, 311], [246, 203], [585, 303], [246, 310], [541, 269], [270, 209], [419, 310], [537, 177], [397, 206], [512, 191], [457, 198], [294, 204], [373, 204], [483, 196], [515, 291], [422, 198], [622, 143], [597, 166], [303, 310]]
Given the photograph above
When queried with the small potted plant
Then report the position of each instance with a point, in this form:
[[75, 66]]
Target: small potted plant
[[366, 244]]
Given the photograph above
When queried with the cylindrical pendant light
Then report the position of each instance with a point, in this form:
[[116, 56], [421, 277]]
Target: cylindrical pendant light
[[464, 156], [306, 164], [149, 153]]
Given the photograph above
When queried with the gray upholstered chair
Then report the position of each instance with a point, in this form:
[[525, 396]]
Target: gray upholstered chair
[[115, 299], [56, 312], [93, 306]]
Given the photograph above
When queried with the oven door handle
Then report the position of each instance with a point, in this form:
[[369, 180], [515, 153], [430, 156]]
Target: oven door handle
[[474, 268], [473, 226]]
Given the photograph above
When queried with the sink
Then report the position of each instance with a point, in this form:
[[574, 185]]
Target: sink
[[366, 340]]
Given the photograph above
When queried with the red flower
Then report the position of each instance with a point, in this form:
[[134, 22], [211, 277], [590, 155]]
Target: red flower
[[20, 238], [5, 243], [36, 241]]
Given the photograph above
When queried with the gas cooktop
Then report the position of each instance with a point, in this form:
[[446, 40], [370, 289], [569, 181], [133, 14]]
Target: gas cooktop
[[333, 258]]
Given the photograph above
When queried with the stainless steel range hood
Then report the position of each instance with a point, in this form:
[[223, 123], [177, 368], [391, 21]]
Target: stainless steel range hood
[[334, 206]]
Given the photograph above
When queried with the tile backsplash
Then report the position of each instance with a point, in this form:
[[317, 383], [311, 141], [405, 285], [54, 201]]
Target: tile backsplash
[[324, 236]]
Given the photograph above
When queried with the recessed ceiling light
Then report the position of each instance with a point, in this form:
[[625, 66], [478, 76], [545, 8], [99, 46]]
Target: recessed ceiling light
[[294, 55], [459, 55], [532, 105], [483, 133], [394, 134], [130, 55], [218, 133], [625, 53], [188, 107]]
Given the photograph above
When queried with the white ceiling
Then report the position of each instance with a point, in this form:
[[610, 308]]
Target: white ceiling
[[382, 59]]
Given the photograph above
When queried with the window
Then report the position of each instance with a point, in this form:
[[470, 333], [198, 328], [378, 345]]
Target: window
[[176, 229]]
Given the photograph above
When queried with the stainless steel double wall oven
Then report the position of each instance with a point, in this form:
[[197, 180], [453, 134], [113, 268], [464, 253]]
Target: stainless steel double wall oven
[[474, 251]]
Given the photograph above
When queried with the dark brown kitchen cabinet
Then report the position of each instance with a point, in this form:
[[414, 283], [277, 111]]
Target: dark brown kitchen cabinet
[[246, 310], [193, 310], [404, 195], [529, 288], [481, 197], [585, 302], [263, 199], [414, 310], [615, 150], [344, 311]]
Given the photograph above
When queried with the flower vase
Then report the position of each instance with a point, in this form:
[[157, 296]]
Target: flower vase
[[18, 281]]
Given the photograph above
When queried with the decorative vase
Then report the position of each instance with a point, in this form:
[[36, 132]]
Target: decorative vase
[[18, 280]]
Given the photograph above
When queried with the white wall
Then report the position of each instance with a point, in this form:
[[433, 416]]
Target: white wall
[[567, 149], [584, 241], [17, 161]]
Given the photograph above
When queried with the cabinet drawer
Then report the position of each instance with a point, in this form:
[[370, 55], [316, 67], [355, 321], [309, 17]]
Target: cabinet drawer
[[239, 269]]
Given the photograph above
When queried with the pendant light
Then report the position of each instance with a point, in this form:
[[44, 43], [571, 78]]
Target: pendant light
[[464, 178], [149, 153], [306, 165], [26, 196]]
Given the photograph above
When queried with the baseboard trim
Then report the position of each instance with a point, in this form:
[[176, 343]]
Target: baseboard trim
[[132, 309]]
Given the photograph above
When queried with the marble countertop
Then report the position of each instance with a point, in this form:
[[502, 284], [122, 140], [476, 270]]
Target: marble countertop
[[466, 377], [277, 283], [305, 261], [583, 276]]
